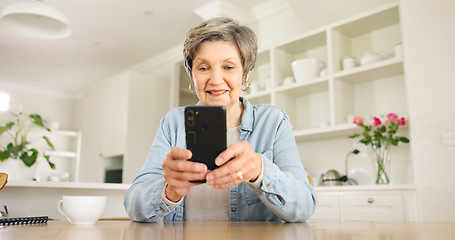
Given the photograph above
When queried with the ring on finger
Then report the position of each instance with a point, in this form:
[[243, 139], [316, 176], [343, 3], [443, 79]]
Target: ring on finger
[[239, 175]]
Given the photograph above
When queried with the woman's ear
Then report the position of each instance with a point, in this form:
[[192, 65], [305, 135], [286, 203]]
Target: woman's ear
[[247, 76]]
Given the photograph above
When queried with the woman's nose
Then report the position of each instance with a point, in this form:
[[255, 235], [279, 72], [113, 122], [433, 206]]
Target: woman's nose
[[216, 77]]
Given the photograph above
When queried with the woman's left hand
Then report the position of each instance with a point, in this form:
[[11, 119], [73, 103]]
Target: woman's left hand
[[238, 163]]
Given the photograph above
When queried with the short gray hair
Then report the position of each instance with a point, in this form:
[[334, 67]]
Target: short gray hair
[[224, 29]]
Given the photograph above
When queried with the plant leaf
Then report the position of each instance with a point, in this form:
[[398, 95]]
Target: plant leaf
[[4, 155], [29, 160], [51, 164], [49, 142], [7, 127], [404, 139], [395, 142], [354, 136], [37, 120], [14, 150]]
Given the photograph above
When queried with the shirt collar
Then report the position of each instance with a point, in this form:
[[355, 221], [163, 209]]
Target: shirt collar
[[247, 115]]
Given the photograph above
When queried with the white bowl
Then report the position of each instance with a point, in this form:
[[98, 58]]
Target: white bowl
[[53, 125], [306, 69]]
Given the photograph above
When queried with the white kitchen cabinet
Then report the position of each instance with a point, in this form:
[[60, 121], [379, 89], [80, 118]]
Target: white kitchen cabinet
[[120, 120], [387, 206], [328, 207], [105, 125], [367, 203], [115, 116]]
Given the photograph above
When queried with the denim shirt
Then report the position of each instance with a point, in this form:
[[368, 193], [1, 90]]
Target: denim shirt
[[284, 194]]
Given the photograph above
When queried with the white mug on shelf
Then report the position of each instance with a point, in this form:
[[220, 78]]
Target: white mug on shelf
[[288, 80], [254, 87], [398, 50], [324, 124], [348, 62]]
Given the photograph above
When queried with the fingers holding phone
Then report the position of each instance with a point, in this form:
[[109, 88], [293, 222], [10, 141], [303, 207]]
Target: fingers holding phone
[[178, 172], [239, 163]]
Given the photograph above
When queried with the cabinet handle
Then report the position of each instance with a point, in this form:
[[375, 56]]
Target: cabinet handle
[[370, 200]]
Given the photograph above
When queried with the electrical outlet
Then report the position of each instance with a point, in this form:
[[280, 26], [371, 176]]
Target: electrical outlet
[[363, 153], [448, 135]]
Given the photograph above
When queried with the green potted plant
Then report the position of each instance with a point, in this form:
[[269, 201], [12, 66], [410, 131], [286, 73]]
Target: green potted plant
[[19, 147]]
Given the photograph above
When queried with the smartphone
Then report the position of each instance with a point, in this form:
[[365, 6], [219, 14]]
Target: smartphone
[[205, 128]]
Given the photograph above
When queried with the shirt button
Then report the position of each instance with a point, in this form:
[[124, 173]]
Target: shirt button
[[233, 210], [161, 209], [268, 186]]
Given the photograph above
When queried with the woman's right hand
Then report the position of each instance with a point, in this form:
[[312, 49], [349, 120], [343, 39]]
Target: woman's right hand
[[178, 172]]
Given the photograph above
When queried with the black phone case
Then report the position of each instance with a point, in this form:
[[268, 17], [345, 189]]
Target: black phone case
[[205, 128]]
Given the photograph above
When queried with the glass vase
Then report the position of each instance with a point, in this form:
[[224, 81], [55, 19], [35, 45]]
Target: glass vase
[[381, 160]]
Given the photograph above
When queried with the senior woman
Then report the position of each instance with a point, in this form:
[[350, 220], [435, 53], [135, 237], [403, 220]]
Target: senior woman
[[260, 178]]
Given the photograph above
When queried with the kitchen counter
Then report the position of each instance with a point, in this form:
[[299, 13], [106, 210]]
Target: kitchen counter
[[231, 230], [28, 198], [71, 185]]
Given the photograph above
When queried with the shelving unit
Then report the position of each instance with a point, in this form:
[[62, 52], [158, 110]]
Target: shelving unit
[[361, 91], [66, 155], [328, 100]]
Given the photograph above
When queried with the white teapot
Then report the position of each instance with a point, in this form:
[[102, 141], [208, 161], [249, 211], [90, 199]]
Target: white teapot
[[371, 57]]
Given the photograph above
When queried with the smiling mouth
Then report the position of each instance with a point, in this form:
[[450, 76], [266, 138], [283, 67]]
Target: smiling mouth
[[216, 92]]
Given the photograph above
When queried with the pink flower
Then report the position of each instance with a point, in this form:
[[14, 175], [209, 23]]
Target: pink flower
[[358, 120], [376, 122], [391, 117], [401, 121]]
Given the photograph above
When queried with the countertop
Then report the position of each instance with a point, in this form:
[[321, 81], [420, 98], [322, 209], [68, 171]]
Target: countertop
[[73, 185], [126, 230]]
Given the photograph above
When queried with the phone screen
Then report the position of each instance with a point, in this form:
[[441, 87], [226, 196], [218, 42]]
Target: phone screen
[[205, 128]]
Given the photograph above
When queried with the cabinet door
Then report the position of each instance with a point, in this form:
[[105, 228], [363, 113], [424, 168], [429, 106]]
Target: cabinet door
[[374, 207], [91, 162], [328, 208], [115, 119]]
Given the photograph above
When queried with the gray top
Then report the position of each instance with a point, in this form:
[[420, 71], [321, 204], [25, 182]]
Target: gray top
[[217, 208]]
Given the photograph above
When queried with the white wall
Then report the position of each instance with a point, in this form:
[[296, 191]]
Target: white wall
[[429, 51], [51, 105]]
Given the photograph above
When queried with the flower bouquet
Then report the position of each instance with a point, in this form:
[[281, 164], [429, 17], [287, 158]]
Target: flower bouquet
[[381, 134]]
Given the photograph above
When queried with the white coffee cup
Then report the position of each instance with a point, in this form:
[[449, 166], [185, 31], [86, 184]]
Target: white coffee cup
[[82, 209], [398, 48], [288, 80], [324, 124], [254, 87], [348, 63]]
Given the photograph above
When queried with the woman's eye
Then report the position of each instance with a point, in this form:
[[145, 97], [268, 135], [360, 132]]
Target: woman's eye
[[202, 69], [229, 67]]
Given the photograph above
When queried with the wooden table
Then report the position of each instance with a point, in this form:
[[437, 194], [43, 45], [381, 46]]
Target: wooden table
[[112, 230]]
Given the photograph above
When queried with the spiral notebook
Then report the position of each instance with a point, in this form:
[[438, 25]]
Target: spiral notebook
[[23, 220]]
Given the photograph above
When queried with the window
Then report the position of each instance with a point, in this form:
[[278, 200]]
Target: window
[[4, 101]]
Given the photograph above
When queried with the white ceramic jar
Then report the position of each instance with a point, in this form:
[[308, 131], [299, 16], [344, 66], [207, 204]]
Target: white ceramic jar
[[348, 62]]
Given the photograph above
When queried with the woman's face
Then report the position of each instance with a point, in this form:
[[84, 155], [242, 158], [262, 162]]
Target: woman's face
[[217, 74]]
